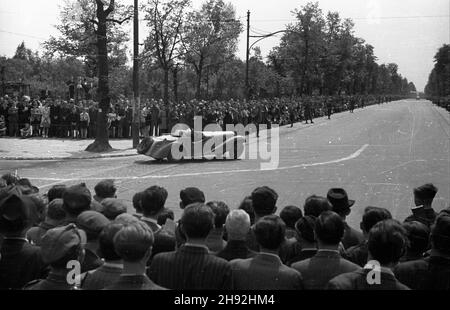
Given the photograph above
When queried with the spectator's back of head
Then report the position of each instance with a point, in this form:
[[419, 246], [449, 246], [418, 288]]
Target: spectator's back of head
[[55, 210], [77, 199], [153, 200], [387, 242], [133, 242], [270, 232], [56, 192], [113, 207], [264, 200], [339, 200], [237, 225], [221, 211], [290, 215], [315, 205], [440, 234], [61, 245], [247, 206], [106, 241], [373, 215], [418, 236], [329, 228], [305, 228], [92, 222], [197, 221], [425, 194], [105, 189], [16, 213], [190, 196]]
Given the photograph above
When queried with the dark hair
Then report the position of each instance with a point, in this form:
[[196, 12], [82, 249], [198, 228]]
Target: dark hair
[[72, 254], [264, 201], [106, 241], [440, 233], [305, 228], [221, 212], [387, 241], [373, 215], [105, 189], [153, 200], [290, 215], [165, 215], [418, 236], [56, 192], [55, 210], [329, 228], [315, 205], [270, 232], [247, 206], [197, 221], [137, 202]]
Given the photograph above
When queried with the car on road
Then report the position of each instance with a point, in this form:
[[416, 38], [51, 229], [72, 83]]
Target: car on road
[[188, 144]]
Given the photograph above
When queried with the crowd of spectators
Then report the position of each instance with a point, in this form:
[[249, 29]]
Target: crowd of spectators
[[56, 118], [215, 246]]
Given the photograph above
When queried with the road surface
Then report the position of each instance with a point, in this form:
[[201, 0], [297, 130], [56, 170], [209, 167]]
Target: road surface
[[378, 154]]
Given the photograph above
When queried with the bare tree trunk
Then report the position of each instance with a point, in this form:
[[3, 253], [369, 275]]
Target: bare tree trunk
[[166, 86], [198, 94], [101, 143]]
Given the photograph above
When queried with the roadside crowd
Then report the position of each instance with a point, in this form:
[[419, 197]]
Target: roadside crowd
[[213, 246], [56, 118]]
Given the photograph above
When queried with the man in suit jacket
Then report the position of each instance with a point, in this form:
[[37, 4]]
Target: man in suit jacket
[[111, 270], [237, 225], [133, 243], [327, 263], [387, 243], [423, 199], [433, 272], [342, 205], [192, 266], [358, 254], [265, 271], [153, 200]]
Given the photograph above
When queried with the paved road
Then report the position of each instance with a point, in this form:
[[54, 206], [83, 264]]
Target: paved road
[[378, 154]]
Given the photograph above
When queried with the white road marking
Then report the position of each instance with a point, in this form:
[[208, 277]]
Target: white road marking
[[152, 176], [404, 164]]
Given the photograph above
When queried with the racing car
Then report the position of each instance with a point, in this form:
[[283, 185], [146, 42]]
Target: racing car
[[188, 144]]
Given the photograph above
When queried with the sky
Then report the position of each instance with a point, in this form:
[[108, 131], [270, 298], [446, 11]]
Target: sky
[[406, 32]]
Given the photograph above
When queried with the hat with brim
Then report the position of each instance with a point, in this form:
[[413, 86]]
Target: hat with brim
[[339, 200]]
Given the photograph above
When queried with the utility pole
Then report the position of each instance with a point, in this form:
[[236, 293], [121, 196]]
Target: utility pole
[[247, 88], [136, 100]]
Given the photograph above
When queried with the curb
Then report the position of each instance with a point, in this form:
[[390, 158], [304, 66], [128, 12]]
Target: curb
[[11, 158]]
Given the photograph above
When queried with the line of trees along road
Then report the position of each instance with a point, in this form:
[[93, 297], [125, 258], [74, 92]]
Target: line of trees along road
[[192, 53]]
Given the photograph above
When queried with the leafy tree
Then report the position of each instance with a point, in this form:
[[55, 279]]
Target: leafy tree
[[165, 21], [210, 37], [439, 80]]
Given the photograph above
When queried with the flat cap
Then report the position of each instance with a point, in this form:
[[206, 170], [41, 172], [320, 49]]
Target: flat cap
[[92, 222], [113, 207], [57, 242]]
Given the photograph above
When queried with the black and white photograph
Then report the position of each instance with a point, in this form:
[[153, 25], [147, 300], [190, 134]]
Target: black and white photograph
[[224, 151]]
